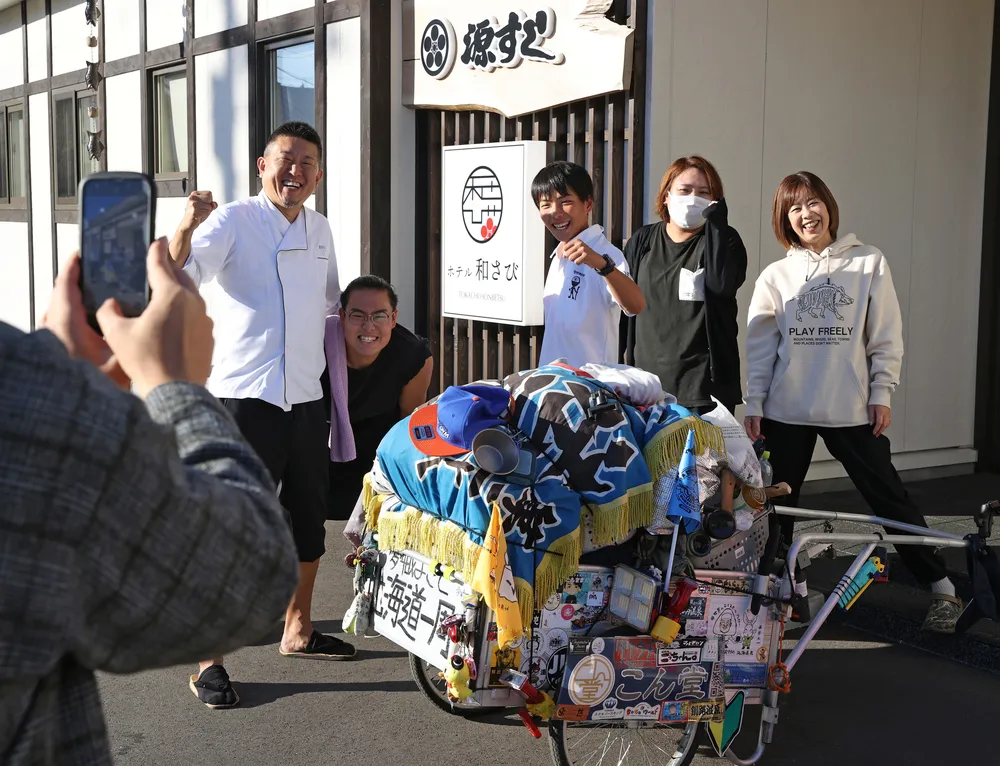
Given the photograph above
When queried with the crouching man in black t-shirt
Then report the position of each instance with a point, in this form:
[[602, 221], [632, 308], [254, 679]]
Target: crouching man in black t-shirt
[[388, 372]]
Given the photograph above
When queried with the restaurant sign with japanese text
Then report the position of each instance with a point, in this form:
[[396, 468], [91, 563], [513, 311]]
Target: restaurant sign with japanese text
[[513, 56], [492, 239]]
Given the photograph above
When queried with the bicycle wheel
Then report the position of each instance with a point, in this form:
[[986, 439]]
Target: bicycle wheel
[[433, 687], [639, 743]]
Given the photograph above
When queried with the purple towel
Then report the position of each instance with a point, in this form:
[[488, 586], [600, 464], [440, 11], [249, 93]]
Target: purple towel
[[341, 433]]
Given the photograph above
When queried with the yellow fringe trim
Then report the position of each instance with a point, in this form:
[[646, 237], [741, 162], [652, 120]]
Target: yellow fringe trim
[[665, 449], [438, 540], [614, 521]]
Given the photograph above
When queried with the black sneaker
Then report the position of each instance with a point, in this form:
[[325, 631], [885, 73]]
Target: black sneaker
[[213, 688]]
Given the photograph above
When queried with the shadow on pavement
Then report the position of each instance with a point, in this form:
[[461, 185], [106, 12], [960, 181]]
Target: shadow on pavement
[[254, 694], [876, 705]]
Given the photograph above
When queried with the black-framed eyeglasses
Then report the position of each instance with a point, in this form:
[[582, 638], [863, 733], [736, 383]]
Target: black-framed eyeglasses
[[377, 318]]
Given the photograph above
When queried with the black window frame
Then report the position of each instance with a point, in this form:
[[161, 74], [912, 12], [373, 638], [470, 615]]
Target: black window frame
[[77, 93], [7, 202]]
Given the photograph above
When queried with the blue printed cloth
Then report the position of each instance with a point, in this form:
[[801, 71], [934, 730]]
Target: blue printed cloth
[[605, 466]]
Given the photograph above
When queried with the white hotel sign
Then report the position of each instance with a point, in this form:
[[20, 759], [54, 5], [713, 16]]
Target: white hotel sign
[[512, 56], [492, 239]]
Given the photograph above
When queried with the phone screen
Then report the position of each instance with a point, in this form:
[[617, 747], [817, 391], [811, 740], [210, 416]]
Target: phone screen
[[115, 236]]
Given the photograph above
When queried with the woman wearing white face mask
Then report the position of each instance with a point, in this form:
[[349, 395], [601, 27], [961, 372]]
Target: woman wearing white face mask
[[824, 353], [689, 265]]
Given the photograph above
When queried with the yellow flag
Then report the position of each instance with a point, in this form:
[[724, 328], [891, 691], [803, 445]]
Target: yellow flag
[[495, 581]]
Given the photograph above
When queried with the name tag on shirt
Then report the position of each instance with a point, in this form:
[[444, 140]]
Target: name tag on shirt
[[691, 286]]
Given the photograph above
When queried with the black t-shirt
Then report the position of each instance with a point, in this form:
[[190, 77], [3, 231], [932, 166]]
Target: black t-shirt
[[373, 405], [671, 337]]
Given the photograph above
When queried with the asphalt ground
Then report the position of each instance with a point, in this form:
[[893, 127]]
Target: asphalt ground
[[855, 699]]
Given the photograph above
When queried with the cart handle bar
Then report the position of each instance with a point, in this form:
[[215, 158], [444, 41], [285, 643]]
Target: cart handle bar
[[805, 513], [951, 541]]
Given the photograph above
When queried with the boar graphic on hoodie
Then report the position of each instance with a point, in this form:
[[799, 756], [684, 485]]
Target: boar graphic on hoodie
[[824, 336]]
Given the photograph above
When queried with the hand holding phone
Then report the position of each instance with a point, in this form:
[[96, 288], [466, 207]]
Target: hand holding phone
[[116, 228]]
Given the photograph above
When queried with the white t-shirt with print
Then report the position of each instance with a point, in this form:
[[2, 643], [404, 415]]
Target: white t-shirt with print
[[581, 315]]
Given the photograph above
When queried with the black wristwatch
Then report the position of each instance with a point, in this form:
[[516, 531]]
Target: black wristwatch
[[609, 266]]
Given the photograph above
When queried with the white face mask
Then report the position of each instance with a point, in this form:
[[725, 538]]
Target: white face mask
[[687, 212]]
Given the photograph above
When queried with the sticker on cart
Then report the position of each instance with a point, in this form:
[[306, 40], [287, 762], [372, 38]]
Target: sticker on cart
[[572, 712], [567, 612], [609, 711], [676, 656], [722, 733], [696, 627], [572, 589], [591, 680], [553, 602], [642, 712], [508, 658], [555, 665], [597, 646], [709, 710], [730, 618], [556, 620], [674, 712], [595, 598], [695, 609], [636, 652], [748, 674]]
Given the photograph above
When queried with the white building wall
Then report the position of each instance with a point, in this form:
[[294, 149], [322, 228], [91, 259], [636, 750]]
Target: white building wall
[[268, 9], [37, 57], [401, 189], [890, 114], [11, 48], [222, 112], [343, 142], [15, 286], [218, 16], [166, 22], [121, 28], [69, 28], [41, 201], [124, 122]]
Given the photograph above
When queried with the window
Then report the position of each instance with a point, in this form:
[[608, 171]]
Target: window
[[13, 162], [170, 137], [291, 88], [71, 123]]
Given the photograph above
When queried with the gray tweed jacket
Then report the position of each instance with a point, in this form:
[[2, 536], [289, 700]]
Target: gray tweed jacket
[[132, 536]]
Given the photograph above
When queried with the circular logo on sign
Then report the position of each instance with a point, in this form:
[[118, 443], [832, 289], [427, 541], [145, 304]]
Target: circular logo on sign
[[482, 204], [597, 645], [591, 680], [438, 48], [762, 654], [568, 611]]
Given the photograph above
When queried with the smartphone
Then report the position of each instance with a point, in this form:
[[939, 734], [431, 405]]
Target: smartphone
[[117, 211]]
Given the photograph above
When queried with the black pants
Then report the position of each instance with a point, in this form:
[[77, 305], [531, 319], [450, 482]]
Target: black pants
[[868, 461], [293, 447]]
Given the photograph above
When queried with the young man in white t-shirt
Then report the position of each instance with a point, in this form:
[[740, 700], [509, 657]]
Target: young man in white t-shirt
[[588, 285]]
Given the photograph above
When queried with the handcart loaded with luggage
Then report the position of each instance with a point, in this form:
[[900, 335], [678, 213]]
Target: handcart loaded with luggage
[[572, 544]]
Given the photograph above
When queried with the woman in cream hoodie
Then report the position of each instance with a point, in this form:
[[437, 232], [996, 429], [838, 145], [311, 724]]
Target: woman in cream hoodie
[[824, 352]]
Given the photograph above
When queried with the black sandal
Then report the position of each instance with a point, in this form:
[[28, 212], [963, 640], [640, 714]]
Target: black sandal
[[214, 689], [324, 647]]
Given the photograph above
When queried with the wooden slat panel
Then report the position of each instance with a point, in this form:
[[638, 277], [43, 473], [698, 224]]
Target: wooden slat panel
[[616, 221], [598, 118]]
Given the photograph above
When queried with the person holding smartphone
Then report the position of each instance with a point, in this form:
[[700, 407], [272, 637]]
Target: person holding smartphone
[[124, 517], [273, 263], [824, 355], [689, 265]]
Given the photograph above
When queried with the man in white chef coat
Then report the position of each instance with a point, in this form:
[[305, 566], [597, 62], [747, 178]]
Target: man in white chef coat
[[273, 262]]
